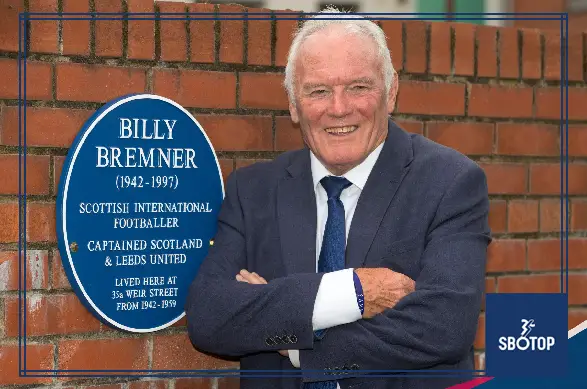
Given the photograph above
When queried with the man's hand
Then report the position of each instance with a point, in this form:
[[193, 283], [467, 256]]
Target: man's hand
[[382, 289], [254, 278]]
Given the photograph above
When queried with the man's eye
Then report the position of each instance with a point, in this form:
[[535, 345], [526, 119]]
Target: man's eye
[[318, 92], [359, 87]]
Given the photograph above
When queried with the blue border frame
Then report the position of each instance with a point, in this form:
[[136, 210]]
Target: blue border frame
[[25, 17]]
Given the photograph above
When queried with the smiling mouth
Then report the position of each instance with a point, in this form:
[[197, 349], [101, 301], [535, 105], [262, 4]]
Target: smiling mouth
[[346, 130]]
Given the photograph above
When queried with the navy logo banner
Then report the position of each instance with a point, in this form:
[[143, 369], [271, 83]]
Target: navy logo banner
[[137, 207], [526, 335]]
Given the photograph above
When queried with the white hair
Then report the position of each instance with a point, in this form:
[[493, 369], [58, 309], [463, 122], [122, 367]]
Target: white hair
[[358, 25]]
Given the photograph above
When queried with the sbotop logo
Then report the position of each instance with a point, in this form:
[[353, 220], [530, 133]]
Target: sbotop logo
[[525, 342]]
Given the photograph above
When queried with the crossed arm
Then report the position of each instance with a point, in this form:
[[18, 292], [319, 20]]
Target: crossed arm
[[435, 323]]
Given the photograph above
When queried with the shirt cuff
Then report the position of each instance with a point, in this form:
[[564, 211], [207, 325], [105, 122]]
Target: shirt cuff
[[294, 357], [336, 301]]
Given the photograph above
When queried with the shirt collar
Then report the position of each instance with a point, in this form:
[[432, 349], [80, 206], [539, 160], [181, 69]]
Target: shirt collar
[[357, 176]]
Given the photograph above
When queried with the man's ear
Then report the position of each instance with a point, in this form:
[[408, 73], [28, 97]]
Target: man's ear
[[293, 111], [391, 98]]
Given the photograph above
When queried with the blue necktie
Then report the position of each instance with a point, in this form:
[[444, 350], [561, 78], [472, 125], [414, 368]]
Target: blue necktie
[[333, 244]]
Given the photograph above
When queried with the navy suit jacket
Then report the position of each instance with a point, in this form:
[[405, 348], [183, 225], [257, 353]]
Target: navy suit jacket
[[423, 212]]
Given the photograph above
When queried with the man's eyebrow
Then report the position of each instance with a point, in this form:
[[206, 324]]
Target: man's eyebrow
[[312, 86], [363, 80]]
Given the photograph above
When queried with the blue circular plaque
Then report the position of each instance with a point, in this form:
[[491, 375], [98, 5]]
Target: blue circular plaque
[[137, 208]]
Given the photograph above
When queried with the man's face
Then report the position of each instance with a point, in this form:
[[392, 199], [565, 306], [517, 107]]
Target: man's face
[[340, 99]]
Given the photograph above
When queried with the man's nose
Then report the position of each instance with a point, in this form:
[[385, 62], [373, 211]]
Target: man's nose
[[340, 104]]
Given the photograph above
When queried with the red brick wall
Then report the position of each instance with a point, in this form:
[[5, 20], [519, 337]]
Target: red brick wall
[[490, 93]]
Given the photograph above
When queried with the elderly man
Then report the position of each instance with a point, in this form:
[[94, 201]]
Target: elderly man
[[363, 251]]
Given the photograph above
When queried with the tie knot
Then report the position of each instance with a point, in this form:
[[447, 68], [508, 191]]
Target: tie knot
[[334, 185]]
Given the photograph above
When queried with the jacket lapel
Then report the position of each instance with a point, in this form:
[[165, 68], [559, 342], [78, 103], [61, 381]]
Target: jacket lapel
[[296, 207], [381, 186]]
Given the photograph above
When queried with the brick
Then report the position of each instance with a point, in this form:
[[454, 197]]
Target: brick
[[576, 317], [506, 178], [9, 217], [54, 127], [545, 254], [273, 96], [103, 354], [552, 54], [9, 11], [38, 357], [415, 46], [535, 283], [464, 51], [226, 166], [505, 255], [527, 139], [38, 80], [158, 384], [43, 33], [393, 30], [440, 51], [232, 133], [577, 141], [141, 33], [546, 179], [193, 383], [177, 352], [108, 32], [80, 82], [259, 42], [577, 254], [490, 285], [40, 222], [523, 216], [480, 335], [231, 35], [412, 126], [550, 215], [48, 315], [288, 135], [59, 279], [531, 54], [76, 33], [497, 216], [57, 168], [578, 288], [431, 98], [37, 270], [548, 103], [578, 215], [284, 30], [202, 35], [173, 32], [37, 174], [467, 138], [500, 101], [196, 88], [229, 383], [486, 37], [575, 64], [508, 53]]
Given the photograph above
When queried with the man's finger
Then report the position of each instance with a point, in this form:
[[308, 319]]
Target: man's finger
[[251, 278]]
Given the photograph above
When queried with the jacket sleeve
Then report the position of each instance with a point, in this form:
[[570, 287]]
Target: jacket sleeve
[[231, 318], [435, 324]]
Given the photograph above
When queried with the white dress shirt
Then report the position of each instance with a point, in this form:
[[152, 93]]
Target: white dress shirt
[[336, 301]]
